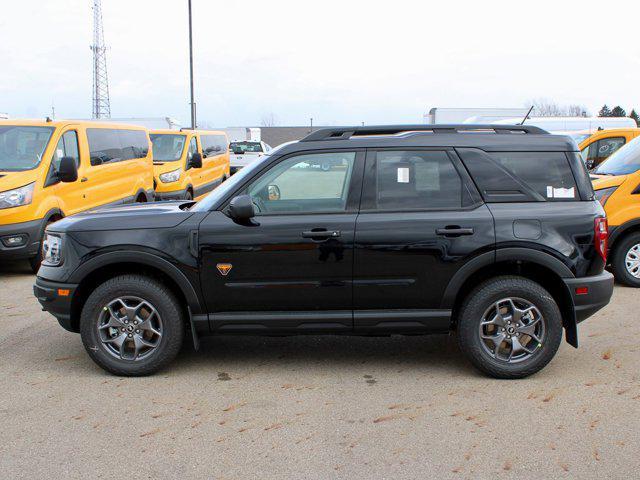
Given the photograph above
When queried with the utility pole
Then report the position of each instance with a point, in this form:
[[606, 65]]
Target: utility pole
[[193, 105], [101, 107]]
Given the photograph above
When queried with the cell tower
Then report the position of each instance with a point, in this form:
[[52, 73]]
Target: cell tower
[[101, 107]]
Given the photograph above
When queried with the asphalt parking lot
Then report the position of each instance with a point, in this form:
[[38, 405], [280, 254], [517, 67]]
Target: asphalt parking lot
[[315, 407]]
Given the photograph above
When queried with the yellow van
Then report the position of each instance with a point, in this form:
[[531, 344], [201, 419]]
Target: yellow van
[[598, 146], [52, 169], [188, 164], [616, 182]]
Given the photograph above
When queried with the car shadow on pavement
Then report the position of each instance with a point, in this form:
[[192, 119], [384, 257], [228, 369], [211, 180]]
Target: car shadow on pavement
[[222, 354], [14, 268]]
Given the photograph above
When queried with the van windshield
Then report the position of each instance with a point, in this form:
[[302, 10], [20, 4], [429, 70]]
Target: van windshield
[[22, 147], [246, 147], [622, 162], [167, 147]]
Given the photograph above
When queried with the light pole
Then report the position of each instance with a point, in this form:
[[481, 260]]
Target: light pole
[[193, 105]]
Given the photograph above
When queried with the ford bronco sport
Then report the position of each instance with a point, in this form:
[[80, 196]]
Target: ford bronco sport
[[491, 232]]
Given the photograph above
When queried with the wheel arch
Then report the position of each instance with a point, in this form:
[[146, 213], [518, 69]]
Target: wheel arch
[[538, 266], [620, 232], [101, 268]]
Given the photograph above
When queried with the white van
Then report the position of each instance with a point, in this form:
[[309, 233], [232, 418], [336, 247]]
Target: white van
[[568, 124]]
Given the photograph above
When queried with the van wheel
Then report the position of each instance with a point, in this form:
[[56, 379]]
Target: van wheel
[[141, 199], [36, 261], [509, 327], [626, 260], [132, 325], [188, 195]]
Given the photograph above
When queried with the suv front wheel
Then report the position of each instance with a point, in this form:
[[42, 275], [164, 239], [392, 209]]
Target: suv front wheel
[[132, 325], [509, 327]]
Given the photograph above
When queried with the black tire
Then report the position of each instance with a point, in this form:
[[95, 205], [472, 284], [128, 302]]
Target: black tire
[[150, 290], [188, 196], [35, 262], [483, 298], [618, 261]]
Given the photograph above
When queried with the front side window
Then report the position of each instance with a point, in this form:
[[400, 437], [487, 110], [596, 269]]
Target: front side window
[[67, 147], [22, 147], [408, 180], [167, 147], [299, 185], [623, 162], [193, 148], [608, 146]]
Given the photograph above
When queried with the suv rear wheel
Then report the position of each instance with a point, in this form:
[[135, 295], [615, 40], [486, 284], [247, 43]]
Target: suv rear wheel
[[626, 260], [509, 327], [132, 325]]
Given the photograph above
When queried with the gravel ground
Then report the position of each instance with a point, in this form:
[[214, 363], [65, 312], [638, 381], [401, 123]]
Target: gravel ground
[[315, 407]]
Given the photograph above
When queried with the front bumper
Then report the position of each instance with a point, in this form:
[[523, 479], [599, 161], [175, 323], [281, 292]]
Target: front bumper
[[599, 289], [32, 234], [173, 195], [56, 298]]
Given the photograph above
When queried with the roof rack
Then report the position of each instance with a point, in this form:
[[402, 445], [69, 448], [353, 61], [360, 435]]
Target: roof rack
[[344, 133]]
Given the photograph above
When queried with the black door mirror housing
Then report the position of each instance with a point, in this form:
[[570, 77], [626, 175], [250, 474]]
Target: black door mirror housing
[[196, 160], [241, 208], [68, 170]]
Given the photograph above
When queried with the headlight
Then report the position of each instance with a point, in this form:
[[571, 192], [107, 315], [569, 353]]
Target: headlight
[[603, 194], [169, 177], [52, 250], [17, 197]]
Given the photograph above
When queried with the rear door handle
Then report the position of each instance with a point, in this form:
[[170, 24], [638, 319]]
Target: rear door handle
[[454, 231], [320, 234]]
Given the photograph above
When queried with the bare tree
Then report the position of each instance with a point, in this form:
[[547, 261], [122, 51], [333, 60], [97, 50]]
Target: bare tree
[[269, 120], [545, 107]]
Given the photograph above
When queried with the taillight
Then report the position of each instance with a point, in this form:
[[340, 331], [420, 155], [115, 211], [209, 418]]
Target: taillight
[[601, 237]]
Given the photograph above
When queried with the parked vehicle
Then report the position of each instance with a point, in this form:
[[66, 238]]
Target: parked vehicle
[[617, 186], [556, 124], [599, 145], [49, 170], [489, 231], [188, 164], [244, 152]]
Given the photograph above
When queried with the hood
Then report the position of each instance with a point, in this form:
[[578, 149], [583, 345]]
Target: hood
[[160, 167], [11, 180], [606, 181], [134, 216]]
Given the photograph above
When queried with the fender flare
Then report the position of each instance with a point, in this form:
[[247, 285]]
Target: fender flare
[[620, 230], [130, 256]]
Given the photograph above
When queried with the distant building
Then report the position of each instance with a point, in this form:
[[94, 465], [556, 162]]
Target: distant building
[[4, 116], [473, 115]]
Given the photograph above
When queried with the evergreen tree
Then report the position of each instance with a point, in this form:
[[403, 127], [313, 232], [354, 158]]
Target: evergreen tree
[[618, 111], [604, 111], [635, 116]]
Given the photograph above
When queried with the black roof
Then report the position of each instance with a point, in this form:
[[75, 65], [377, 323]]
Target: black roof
[[486, 137]]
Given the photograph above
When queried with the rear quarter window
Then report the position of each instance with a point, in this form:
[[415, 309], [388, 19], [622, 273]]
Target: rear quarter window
[[547, 173]]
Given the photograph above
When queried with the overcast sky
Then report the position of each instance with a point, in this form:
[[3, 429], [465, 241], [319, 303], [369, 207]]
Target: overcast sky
[[340, 62]]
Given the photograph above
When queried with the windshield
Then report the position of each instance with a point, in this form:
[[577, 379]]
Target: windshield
[[21, 148], [216, 195], [246, 147], [167, 147], [622, 162], [580, 137]]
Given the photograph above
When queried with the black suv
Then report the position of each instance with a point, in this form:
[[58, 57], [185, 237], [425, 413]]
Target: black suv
[[491, 232]]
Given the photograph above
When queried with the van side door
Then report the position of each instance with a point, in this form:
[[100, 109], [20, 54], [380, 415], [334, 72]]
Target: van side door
[[421, 219]]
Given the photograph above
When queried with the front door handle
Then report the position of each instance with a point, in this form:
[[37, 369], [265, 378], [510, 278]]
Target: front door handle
[[454, 231], [84, 179], [321, 234]]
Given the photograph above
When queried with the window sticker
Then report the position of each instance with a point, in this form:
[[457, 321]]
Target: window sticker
[[403, 175], [560, 192], [60, 153]]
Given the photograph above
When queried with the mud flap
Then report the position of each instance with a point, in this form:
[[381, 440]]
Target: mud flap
[[194, 334]]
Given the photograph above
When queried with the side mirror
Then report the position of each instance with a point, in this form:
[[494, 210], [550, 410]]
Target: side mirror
[[241, 208], [68, 170], [196, 160]]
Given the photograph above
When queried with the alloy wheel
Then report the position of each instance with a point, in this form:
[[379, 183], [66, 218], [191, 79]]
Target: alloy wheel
[[632, 261]]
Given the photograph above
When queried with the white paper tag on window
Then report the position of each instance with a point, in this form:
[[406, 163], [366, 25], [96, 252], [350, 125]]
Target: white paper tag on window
[[564, 192], [60, 153], [403, 175]]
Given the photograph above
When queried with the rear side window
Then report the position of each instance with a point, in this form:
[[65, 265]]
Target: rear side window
[[413, 180], [546, 173], [213, 144], [116, 145]]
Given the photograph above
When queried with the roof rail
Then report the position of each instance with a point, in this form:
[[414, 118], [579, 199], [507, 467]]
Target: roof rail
[[344, 133]]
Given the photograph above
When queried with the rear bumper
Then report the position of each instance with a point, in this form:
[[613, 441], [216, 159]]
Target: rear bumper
[[599, 289], [55, 298], [30, 232]]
